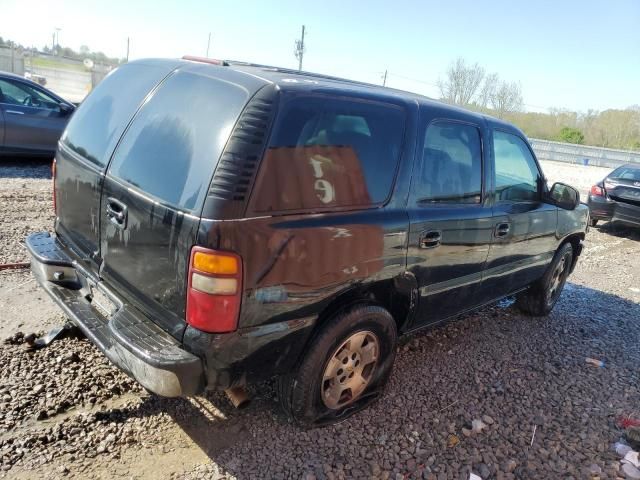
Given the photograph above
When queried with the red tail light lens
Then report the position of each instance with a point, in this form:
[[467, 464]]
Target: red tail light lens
[[597, 191], [53, 176], [214, 290]]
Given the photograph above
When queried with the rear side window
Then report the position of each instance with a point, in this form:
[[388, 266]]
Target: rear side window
[[451, 170], [98, 123], [329, 152], [174, 143]]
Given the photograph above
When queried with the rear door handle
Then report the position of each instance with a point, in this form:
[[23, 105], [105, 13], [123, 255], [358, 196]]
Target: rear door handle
[[117, 212], [430, 239], [502, 229]]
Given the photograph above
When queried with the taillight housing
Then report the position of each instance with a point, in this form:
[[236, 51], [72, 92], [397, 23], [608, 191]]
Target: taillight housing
[[53, 177], [214, 290], [597, 191]]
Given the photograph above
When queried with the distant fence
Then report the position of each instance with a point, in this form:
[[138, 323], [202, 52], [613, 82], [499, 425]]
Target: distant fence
[[68, 77], [582, 154], [11, 61]]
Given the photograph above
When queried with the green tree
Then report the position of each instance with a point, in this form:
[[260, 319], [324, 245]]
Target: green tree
[[571, 135]]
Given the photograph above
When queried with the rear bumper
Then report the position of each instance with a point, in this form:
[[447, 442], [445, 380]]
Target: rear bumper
[[128, 338], [606, 209]]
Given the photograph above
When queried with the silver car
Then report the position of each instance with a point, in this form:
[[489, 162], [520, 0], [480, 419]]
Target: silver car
[[32, 118]]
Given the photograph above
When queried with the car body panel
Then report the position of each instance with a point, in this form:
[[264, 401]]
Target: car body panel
[[32, 130], [299, 267], [621, 199]]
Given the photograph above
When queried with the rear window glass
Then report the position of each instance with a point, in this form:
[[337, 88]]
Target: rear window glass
[[98, 123], [626, 173], [329, 152], [175, 141]]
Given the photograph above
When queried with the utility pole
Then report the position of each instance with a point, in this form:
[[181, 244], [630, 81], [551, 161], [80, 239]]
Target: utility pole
[[384, 79], [127, 49], [53, 43], [208, 44], [300, 49], [58, 38]]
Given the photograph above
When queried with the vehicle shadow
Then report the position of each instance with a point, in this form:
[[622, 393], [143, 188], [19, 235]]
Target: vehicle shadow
[[618, 229], [493, 362], [27, 167]]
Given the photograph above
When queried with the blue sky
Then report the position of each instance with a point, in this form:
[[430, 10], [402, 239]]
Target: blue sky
[[569, 54]]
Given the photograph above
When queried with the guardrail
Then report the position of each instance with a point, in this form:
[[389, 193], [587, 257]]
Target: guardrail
[[582, 154]]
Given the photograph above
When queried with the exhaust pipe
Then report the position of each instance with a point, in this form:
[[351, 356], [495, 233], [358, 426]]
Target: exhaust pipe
[[238, 397]]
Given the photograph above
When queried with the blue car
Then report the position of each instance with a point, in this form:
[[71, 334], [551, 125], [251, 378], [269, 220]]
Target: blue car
[[32, 118]]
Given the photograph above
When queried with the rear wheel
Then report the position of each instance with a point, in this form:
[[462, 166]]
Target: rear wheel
[[594, 222], [540, 298], [345, 368]]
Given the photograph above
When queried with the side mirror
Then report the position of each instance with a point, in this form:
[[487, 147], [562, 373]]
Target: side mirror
[[66, 109], [564, 196]]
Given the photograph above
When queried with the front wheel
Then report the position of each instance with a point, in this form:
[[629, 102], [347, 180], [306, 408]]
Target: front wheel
[[594, 222], [344, 369], [540, 298]]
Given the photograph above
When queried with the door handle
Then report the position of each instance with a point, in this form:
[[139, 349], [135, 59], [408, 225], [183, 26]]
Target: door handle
[[502, 229], [117, 212], [14, 112], [430, 239]]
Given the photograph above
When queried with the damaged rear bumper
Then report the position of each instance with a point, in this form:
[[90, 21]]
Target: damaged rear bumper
[[127, 337]]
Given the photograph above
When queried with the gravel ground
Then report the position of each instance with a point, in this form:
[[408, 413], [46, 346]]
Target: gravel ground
[[65, 412]]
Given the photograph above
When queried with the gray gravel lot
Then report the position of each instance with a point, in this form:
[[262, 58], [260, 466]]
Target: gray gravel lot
[[65, 412]]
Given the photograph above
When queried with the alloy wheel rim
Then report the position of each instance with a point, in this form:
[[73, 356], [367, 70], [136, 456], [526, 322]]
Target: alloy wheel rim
[[557, 279], [350, 369]]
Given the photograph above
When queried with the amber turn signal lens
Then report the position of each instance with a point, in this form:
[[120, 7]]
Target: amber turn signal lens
[[215, 263]]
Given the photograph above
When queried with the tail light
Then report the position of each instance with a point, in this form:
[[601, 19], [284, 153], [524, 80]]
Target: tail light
[[214, 290], [597, 191], [53, 176]]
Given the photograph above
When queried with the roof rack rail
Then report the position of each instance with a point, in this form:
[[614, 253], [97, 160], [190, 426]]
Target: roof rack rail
[[296, 72], [212, 61]]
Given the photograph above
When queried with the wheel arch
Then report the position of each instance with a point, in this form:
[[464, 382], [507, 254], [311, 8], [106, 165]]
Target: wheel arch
[[575, 239], [398, 295]]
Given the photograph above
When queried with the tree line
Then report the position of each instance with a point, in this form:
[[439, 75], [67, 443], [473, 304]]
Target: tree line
[[85, 52], [471, 86]]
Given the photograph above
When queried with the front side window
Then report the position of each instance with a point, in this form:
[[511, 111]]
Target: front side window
[[329, 152], [18, 93], [516, 173], [451, 167]]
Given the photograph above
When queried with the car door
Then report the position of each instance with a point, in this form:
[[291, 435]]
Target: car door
[[155, 186], [34, 119], [450, 218], [524, 237], [1, 131]]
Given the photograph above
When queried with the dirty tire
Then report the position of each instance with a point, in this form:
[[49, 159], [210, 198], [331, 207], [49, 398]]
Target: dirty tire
[[540, 298], [594, 222], [300, 392]]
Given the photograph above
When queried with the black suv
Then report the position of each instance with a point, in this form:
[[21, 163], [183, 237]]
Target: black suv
[[222, 224]]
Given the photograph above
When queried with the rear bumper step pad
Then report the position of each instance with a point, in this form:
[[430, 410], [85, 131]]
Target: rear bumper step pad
[[128, 338]]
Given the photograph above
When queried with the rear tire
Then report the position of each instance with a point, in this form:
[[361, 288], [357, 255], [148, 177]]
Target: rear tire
[[345, 368], [594, 222], [540, 298]]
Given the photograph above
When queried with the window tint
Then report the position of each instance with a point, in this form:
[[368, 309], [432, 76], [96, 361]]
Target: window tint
[[98, 123], [516, 171], [626, 173], [174, 143], [451, 170], [18, 93], [327, 152]]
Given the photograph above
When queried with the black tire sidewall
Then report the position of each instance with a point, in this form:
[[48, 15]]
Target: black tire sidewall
[[306, 399], [565, 250]]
